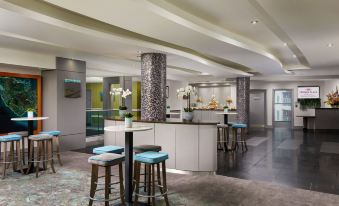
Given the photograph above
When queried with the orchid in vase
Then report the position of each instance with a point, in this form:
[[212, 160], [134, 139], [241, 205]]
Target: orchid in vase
[[124, 94], [186, 93]]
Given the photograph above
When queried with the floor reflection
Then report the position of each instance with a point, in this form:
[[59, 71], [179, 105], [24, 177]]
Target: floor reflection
[[280, 155]]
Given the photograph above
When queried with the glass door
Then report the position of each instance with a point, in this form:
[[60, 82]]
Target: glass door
[[282, 115]]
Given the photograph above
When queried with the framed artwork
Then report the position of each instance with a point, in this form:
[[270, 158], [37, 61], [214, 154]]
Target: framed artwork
[[18, 92]]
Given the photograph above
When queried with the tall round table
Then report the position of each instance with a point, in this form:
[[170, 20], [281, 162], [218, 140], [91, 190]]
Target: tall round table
[[30, 121], [30, 128], [128, 156], [226, 115]]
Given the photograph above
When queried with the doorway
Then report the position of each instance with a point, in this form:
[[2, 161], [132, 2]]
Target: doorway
[[283, 108], [257, 108]]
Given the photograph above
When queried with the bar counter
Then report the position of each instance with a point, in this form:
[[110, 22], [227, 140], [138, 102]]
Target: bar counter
[[170, 121], [191, 146]]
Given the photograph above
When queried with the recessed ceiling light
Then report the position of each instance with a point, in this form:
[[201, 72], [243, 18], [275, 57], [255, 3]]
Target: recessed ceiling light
[[255, 21], [204, 73], [294, 56], [285, 44], [330, 45]]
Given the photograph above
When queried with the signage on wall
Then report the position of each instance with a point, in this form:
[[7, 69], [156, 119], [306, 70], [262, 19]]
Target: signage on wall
[[72, 88], [309, 92]]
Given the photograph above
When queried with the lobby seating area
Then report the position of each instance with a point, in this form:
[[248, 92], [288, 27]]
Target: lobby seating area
[[169, 103]]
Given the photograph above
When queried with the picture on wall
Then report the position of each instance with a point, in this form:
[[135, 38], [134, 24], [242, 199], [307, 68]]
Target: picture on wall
[[18, 92], [72, 88]]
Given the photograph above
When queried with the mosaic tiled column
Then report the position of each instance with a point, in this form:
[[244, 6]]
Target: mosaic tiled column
[[153, 86], [243, 99]]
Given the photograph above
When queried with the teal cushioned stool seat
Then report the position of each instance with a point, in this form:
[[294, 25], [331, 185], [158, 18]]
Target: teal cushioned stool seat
[[11, 137], [52, 132], [38, 137], [151, 157], [237, 125], [106, 159], [108, 149]]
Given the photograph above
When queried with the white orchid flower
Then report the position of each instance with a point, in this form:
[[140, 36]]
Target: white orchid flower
[[126, 93]]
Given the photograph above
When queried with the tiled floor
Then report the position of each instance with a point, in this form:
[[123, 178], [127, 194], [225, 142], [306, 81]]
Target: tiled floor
[[303, 160]]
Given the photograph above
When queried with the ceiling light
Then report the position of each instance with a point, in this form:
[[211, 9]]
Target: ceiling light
[[294, 56], [204, 73], [255, 21], [330, 45], [285, 44]]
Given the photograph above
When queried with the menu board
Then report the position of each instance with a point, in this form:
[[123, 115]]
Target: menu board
[[311, 92]]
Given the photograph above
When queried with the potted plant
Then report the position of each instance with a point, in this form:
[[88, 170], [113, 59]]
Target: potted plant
[[128, 120], [30, 112], [225, 108], [186, 93], [125, 94]]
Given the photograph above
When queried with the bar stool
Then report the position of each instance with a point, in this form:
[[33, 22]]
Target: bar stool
[[146, 148], [44, 150], [235, 141], [14, 141], [55, 134], [106, 160], [150, 159], [24, 135], [223, 137], [108, 149]]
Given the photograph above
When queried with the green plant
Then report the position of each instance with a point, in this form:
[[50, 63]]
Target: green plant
[[226, 107], [188, 109], [128, 115], [168, 107], [309, 103], [122, 108], [30, 109]]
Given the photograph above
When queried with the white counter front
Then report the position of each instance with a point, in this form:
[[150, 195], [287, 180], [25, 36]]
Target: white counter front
[[191, 147]]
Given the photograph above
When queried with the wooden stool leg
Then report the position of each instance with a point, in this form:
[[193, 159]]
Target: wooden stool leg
[[23, 150], [153, 184], [164, 182], [5, 160], [11, 153], [121, 180], [58, 149], [43, 152], [38, 152], [107, 184], [159, 179], [137, 183], [50, 154], [18, 156], [94, 180], [149, 183], [31, 155]]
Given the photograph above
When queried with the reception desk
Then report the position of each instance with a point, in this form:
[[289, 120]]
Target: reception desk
[[326, 118], [323, 119], [192, 146]]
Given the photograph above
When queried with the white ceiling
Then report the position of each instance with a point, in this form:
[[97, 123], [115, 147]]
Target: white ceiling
[[212, 37]]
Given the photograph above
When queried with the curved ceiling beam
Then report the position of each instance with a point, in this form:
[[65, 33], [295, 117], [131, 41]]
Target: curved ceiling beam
[[197, 24], [51, 14]]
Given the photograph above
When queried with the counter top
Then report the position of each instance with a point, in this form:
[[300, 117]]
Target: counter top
[[168, 121], [327, 108], [217, 110]]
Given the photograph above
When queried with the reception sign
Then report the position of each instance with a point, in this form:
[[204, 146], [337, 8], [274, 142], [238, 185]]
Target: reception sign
[[311, 92]]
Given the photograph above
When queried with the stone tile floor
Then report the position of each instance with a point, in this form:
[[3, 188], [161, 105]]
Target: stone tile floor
[[70, 186], [288, 157]]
